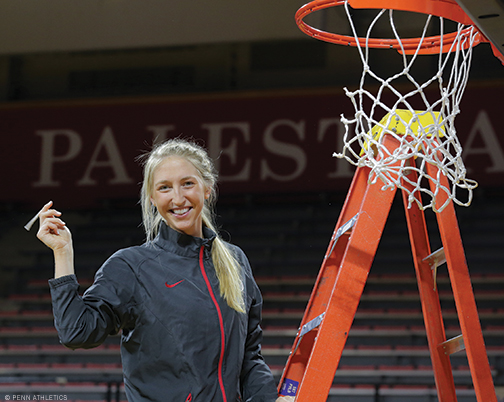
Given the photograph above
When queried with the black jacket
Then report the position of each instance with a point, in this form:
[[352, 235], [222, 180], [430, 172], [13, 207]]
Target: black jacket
[[180, 340]]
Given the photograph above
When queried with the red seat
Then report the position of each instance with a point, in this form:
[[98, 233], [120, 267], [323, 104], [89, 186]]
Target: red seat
[[52, 347], [67, 365], [44, 329], [396, 368], [409, 386], [362, 367], [7, 365], [374, 347], [22, 347], [14, 329], [33, 365], [103, 365]]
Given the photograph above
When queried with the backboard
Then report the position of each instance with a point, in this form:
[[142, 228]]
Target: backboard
[[488, 15]]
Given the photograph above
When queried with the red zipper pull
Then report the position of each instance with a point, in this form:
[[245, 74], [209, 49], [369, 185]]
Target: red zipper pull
[[189, 398]]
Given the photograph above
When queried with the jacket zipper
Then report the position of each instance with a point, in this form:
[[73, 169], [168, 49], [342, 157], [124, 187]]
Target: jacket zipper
[[221, 322]]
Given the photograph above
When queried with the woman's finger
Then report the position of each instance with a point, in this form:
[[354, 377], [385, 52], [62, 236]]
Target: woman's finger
[[49, 214], [55, 220], [55, 226]]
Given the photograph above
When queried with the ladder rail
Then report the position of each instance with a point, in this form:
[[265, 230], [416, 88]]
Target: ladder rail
[[318, 355], [463, 294], [298, 357], [429, 297]]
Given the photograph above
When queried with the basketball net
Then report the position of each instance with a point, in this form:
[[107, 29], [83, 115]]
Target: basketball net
[[426, 134]]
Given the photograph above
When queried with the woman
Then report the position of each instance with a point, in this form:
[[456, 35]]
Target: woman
[[185, 301]]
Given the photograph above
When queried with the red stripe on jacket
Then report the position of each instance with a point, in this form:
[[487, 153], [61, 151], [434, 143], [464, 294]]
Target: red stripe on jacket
[[221, 322]]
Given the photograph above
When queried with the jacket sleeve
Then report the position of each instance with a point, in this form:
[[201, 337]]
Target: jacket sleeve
[[104, 309], [258, 384]]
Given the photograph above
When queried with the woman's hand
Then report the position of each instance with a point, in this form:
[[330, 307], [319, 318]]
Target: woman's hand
[[53, 231], [285, 399]]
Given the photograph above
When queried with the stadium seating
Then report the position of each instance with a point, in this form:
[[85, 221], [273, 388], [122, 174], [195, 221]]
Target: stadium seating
[[386, 357]]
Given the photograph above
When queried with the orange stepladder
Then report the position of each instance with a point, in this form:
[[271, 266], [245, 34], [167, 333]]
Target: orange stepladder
[[318, 346]]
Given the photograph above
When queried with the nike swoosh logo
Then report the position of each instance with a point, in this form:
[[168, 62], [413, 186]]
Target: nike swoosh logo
[[173, 284]]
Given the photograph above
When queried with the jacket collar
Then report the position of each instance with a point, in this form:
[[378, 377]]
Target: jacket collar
[[180, 243]]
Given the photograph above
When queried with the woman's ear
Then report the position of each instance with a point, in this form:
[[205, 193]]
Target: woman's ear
[[152, 202], [208, 192]]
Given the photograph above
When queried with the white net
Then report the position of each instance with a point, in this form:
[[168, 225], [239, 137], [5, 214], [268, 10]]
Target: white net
[[426, 133]]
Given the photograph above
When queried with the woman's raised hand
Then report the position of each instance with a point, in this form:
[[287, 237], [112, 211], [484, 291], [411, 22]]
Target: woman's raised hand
[[53, 232]]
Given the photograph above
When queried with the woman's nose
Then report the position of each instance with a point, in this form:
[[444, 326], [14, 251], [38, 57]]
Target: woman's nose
[[178, 198]]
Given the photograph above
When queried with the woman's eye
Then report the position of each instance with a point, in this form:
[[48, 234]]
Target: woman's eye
[[188, 183]]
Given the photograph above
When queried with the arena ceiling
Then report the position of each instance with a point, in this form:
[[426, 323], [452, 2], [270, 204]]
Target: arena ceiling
[[33, 26], [38, 26]]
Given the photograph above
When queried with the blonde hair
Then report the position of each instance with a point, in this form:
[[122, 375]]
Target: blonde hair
[[227, 268]]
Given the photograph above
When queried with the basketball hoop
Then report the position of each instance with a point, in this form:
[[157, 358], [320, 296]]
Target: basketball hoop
[[427, 135], [426, 45]]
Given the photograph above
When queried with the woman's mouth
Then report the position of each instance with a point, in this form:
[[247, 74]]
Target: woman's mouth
[[180, 211]]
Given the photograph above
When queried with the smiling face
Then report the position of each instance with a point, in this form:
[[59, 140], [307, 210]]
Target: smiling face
[[179, 195]]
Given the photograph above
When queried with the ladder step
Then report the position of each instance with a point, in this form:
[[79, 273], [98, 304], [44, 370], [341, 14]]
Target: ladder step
[[453, 345], [308, 327], [312, 324], [345, 228], [436, 259]]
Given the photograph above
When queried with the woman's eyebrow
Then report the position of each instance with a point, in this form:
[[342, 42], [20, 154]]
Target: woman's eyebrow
[[163, 181]]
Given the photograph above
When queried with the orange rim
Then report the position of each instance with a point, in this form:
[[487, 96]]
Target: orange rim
[[429, 45]]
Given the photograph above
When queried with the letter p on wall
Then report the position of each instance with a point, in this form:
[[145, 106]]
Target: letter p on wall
[[49, 157]]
